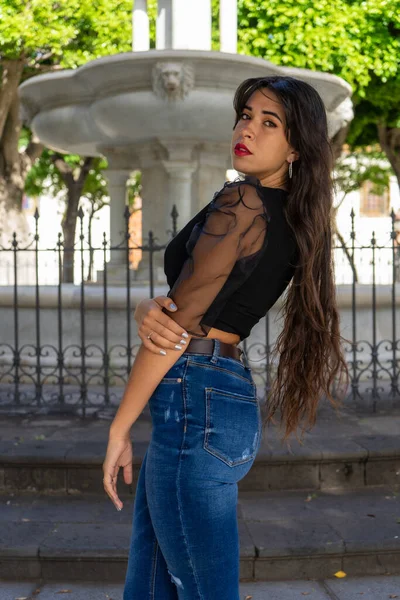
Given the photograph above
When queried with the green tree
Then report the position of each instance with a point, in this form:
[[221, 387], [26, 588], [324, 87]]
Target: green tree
[[359, 41], [38, 37]]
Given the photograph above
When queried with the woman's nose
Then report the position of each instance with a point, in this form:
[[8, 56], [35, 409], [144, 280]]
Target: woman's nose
[[248, 131]]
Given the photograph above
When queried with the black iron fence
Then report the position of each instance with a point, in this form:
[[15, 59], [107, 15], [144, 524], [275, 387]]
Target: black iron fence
[[70, 347]]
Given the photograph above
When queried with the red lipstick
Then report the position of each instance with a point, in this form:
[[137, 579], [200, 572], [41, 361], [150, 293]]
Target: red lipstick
[[241, 150]]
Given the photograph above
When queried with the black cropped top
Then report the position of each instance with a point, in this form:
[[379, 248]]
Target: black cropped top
[[228, 266]]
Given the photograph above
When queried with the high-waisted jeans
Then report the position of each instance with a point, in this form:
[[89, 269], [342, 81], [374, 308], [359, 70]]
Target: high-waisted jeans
[[206, 433]]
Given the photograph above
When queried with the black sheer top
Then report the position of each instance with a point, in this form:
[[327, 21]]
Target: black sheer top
[[227, 267]]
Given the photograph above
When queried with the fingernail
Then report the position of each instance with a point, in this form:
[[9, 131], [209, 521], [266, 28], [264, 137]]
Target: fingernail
[[178, 347], [185, 335], [119, 507], [182, 342], [172, 306], [163, 352]]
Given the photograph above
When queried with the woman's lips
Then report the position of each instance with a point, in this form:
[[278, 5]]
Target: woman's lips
[[241, 150]]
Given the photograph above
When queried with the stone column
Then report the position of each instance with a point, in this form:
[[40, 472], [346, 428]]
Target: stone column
[[164, 25], [184, 25], [154, 202], [117, 180], [213, 161], [117, 176], [179, 191], [140, 26], [180, 167], [228, 25], [167, 169]]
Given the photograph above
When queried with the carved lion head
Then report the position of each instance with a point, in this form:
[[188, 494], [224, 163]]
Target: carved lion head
[[172, 80]]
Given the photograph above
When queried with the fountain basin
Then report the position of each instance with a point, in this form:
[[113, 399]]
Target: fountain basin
[[120, 100]]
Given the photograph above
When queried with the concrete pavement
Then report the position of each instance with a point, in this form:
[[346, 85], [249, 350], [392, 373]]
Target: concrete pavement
[[366, 588]]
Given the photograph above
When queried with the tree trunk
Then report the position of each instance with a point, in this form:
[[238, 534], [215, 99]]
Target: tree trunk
[[68, 225], [12, 220], [14, 165], [11, 74], [389, 139]]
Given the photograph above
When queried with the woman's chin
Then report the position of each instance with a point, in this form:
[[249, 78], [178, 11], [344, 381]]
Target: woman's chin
[[240, 165], [242, 168]]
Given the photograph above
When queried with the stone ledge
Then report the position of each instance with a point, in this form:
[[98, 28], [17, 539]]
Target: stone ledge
[[54, 452], [76, 467], [282, 535]]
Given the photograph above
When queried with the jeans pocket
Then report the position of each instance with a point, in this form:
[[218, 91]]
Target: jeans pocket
[[233, 426]]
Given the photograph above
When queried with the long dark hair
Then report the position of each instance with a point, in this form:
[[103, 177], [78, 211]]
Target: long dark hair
[[311, 360]]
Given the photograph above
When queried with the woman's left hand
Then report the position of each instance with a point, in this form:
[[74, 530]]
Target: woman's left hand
[[119, 454]]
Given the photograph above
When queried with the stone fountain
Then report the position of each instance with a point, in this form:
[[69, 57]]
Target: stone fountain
[[166, 111]]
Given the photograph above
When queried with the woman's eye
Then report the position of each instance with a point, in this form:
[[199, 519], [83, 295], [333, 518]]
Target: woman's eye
[[248, 117]]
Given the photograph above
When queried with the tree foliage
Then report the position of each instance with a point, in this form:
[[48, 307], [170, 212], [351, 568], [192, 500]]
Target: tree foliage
[[351, 39], [37, 37], [358, 41], [63, 34]]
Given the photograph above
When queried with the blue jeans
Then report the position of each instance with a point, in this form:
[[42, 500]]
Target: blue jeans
[[206, 433]]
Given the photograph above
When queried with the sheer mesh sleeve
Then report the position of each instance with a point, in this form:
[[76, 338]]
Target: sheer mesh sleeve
[[230, 240]]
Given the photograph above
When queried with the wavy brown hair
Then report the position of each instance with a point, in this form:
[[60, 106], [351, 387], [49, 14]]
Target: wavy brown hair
[[311, 361]]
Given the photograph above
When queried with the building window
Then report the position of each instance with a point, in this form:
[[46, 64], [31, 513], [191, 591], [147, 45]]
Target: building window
[[374, 205]]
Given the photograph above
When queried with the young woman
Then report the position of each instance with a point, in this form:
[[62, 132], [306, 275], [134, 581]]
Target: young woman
[[261, 234]]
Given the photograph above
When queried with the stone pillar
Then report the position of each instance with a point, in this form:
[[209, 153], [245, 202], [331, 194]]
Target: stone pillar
[[117, 180], [179, 191], [184, 25], [228, 25], [167, 169], [164, 25], [213, 161], [154, 202], [140, 27], [180, 167]]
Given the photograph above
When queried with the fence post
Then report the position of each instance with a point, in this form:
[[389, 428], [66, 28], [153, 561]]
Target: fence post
[[17, 356], [60, 350], [38, 385], [82, 319], [394, 389]]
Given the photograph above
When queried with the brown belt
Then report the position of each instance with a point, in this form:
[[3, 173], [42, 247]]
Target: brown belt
[[206, 346]]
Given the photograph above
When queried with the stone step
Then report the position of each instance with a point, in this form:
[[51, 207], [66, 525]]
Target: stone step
[[283, 535], [347, 451], [321, 463]]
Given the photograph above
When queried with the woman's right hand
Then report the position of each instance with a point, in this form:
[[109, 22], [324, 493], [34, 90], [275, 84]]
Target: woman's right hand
[[165, 332]]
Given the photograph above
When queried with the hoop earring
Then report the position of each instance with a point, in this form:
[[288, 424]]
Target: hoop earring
[[290, 170]]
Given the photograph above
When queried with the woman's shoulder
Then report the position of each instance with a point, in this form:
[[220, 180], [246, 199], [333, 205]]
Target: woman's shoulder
[[240, 182], [241, 193], [248, 192], [251, 181]]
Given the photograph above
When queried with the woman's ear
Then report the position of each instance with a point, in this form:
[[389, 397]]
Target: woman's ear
[[294, 155]]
